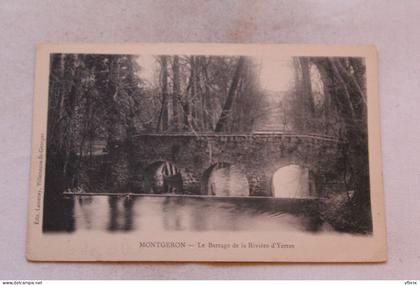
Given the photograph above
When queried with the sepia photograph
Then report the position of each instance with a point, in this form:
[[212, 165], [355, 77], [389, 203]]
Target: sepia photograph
[[159, 143], [210, 140]]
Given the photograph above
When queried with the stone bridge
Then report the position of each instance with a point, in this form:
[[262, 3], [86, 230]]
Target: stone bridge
[[259, 155]]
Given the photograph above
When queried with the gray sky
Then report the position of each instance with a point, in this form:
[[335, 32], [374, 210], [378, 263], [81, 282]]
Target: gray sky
[[276, 73]]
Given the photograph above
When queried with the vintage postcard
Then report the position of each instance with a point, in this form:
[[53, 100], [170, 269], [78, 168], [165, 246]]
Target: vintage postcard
[[206, 152]]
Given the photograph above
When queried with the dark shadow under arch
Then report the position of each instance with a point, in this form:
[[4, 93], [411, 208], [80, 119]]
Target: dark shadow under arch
[[162, 177]]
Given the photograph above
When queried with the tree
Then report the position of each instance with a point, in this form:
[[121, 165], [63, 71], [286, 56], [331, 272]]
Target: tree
[[92, 98], [176, 90], [230, 97], [165, 114], [343, 114], [345, 79]]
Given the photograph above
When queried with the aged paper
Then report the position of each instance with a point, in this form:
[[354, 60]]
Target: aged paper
[[206, 152]]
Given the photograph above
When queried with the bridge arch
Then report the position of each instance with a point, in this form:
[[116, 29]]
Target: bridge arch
[[162, 176], [259, 155], [224, 179], [293, 181]]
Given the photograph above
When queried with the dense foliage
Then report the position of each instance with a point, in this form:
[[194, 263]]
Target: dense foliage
[[97, 102]]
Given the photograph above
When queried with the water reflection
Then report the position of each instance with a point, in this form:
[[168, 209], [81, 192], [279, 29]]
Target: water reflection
[[121, 213], [175, 213], [173, 217], [86, 212], [290, 209]]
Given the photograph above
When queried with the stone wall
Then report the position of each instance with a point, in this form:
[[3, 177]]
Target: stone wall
[[257, 155]]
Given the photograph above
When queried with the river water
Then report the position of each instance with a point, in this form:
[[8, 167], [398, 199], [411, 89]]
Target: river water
[[177, 213], [293, 207]]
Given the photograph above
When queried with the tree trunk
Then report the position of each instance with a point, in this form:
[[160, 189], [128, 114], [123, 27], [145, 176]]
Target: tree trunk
[[167, 108], [176, 92], [306, 86], [201, 103], [209, 109], [221, 124], [305, 95], [193, 84], [164, 114]]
